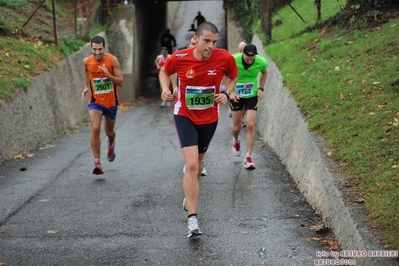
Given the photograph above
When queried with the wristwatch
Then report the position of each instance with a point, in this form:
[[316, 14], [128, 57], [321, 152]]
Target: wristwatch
[[261, 88], [227, 93]]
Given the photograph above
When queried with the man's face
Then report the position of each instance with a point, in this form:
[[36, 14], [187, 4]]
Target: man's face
[[192, 43], [164, 52], [98, 51], [249, 59], [206, 43]]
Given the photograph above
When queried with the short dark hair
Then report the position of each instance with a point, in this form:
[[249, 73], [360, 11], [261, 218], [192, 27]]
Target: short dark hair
[[98, 40], [206, 26]]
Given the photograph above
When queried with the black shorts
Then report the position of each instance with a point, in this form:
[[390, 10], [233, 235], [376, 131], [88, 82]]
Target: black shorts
[[194, 135], [247, 103]]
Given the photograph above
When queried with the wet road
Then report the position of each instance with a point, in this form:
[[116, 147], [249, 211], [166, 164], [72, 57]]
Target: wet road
[[57, 213], [212, 10]]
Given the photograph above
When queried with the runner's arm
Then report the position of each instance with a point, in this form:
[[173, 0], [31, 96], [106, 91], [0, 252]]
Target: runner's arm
[[164, 80], [86, 79]]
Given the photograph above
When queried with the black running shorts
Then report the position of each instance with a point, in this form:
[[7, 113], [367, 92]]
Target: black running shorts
[[194, 135], [247, 103]]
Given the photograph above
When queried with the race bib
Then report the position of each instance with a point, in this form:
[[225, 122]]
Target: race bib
[[102, 85], [246, 89], [199, 98]]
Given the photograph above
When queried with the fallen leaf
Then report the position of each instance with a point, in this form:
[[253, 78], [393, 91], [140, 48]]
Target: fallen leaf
[[47, 146], [43, 200], [19, 156]]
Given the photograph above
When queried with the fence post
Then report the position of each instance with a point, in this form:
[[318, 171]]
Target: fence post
[[54, 24]]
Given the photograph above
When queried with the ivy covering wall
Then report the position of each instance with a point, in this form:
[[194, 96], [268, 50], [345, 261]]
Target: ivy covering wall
[[246, 14]]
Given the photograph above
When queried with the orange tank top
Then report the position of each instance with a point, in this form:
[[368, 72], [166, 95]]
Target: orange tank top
[[102, 89]]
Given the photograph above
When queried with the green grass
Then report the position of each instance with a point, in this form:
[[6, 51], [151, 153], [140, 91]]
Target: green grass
[[13, 3], [353, 108], [292, 23], [28, 52]]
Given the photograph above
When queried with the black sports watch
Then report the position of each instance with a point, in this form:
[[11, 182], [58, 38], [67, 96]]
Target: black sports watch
[[261, 88]]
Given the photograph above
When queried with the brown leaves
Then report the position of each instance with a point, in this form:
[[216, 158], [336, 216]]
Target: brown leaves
[[23, 155]]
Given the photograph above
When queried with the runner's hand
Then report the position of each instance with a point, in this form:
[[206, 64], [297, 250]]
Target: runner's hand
[[234, 97], [260, 94], [166, 95], [221, 98], [84, 94]]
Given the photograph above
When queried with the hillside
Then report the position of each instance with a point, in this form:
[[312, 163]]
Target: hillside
[[343, 72], [27, 41]]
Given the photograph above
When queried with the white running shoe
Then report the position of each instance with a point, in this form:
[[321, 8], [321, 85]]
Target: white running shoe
[[204, 172], [248, 163], [229, 113], [163, 104], [193, 229], [168, 104]]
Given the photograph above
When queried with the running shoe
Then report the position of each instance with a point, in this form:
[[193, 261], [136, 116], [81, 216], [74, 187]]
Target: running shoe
[[229, 113], [193, 229], [163, 104], [168, 104], [184, 205], [203, 173], [244, 124], [111, 152], [98, 168], [248, 163], [236, 148]]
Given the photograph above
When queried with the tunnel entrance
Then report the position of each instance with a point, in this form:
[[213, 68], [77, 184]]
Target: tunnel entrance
[[154, 17]]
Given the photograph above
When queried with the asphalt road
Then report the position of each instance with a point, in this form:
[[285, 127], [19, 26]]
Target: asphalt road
[[54, 211]]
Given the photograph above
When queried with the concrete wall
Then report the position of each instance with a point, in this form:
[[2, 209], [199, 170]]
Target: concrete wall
[[123, 44], [234, 32], [283, 128]]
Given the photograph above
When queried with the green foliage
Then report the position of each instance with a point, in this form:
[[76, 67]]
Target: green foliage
[[69, 45], [5, 27], [340, 80], [246, 14], [94, 31], [13, 3], [22, 83]]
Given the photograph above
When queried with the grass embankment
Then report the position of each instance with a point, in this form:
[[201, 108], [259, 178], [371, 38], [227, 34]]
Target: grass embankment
[[26, 52], [341, 82]]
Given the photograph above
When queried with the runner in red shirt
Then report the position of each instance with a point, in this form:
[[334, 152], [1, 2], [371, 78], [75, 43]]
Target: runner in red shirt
[[196, 112]]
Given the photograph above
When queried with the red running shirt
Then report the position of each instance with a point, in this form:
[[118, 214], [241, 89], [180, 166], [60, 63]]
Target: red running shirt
[[199, 81], [162, 60]]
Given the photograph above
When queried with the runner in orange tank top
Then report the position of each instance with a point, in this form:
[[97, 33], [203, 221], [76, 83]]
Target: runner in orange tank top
[[102, 76]]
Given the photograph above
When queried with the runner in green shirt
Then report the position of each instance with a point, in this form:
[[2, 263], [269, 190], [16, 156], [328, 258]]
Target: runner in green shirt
[[244, 99]]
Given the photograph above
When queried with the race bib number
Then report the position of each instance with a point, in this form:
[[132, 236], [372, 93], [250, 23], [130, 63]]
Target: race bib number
[[246, 89], [199, 98], [102, 85]]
